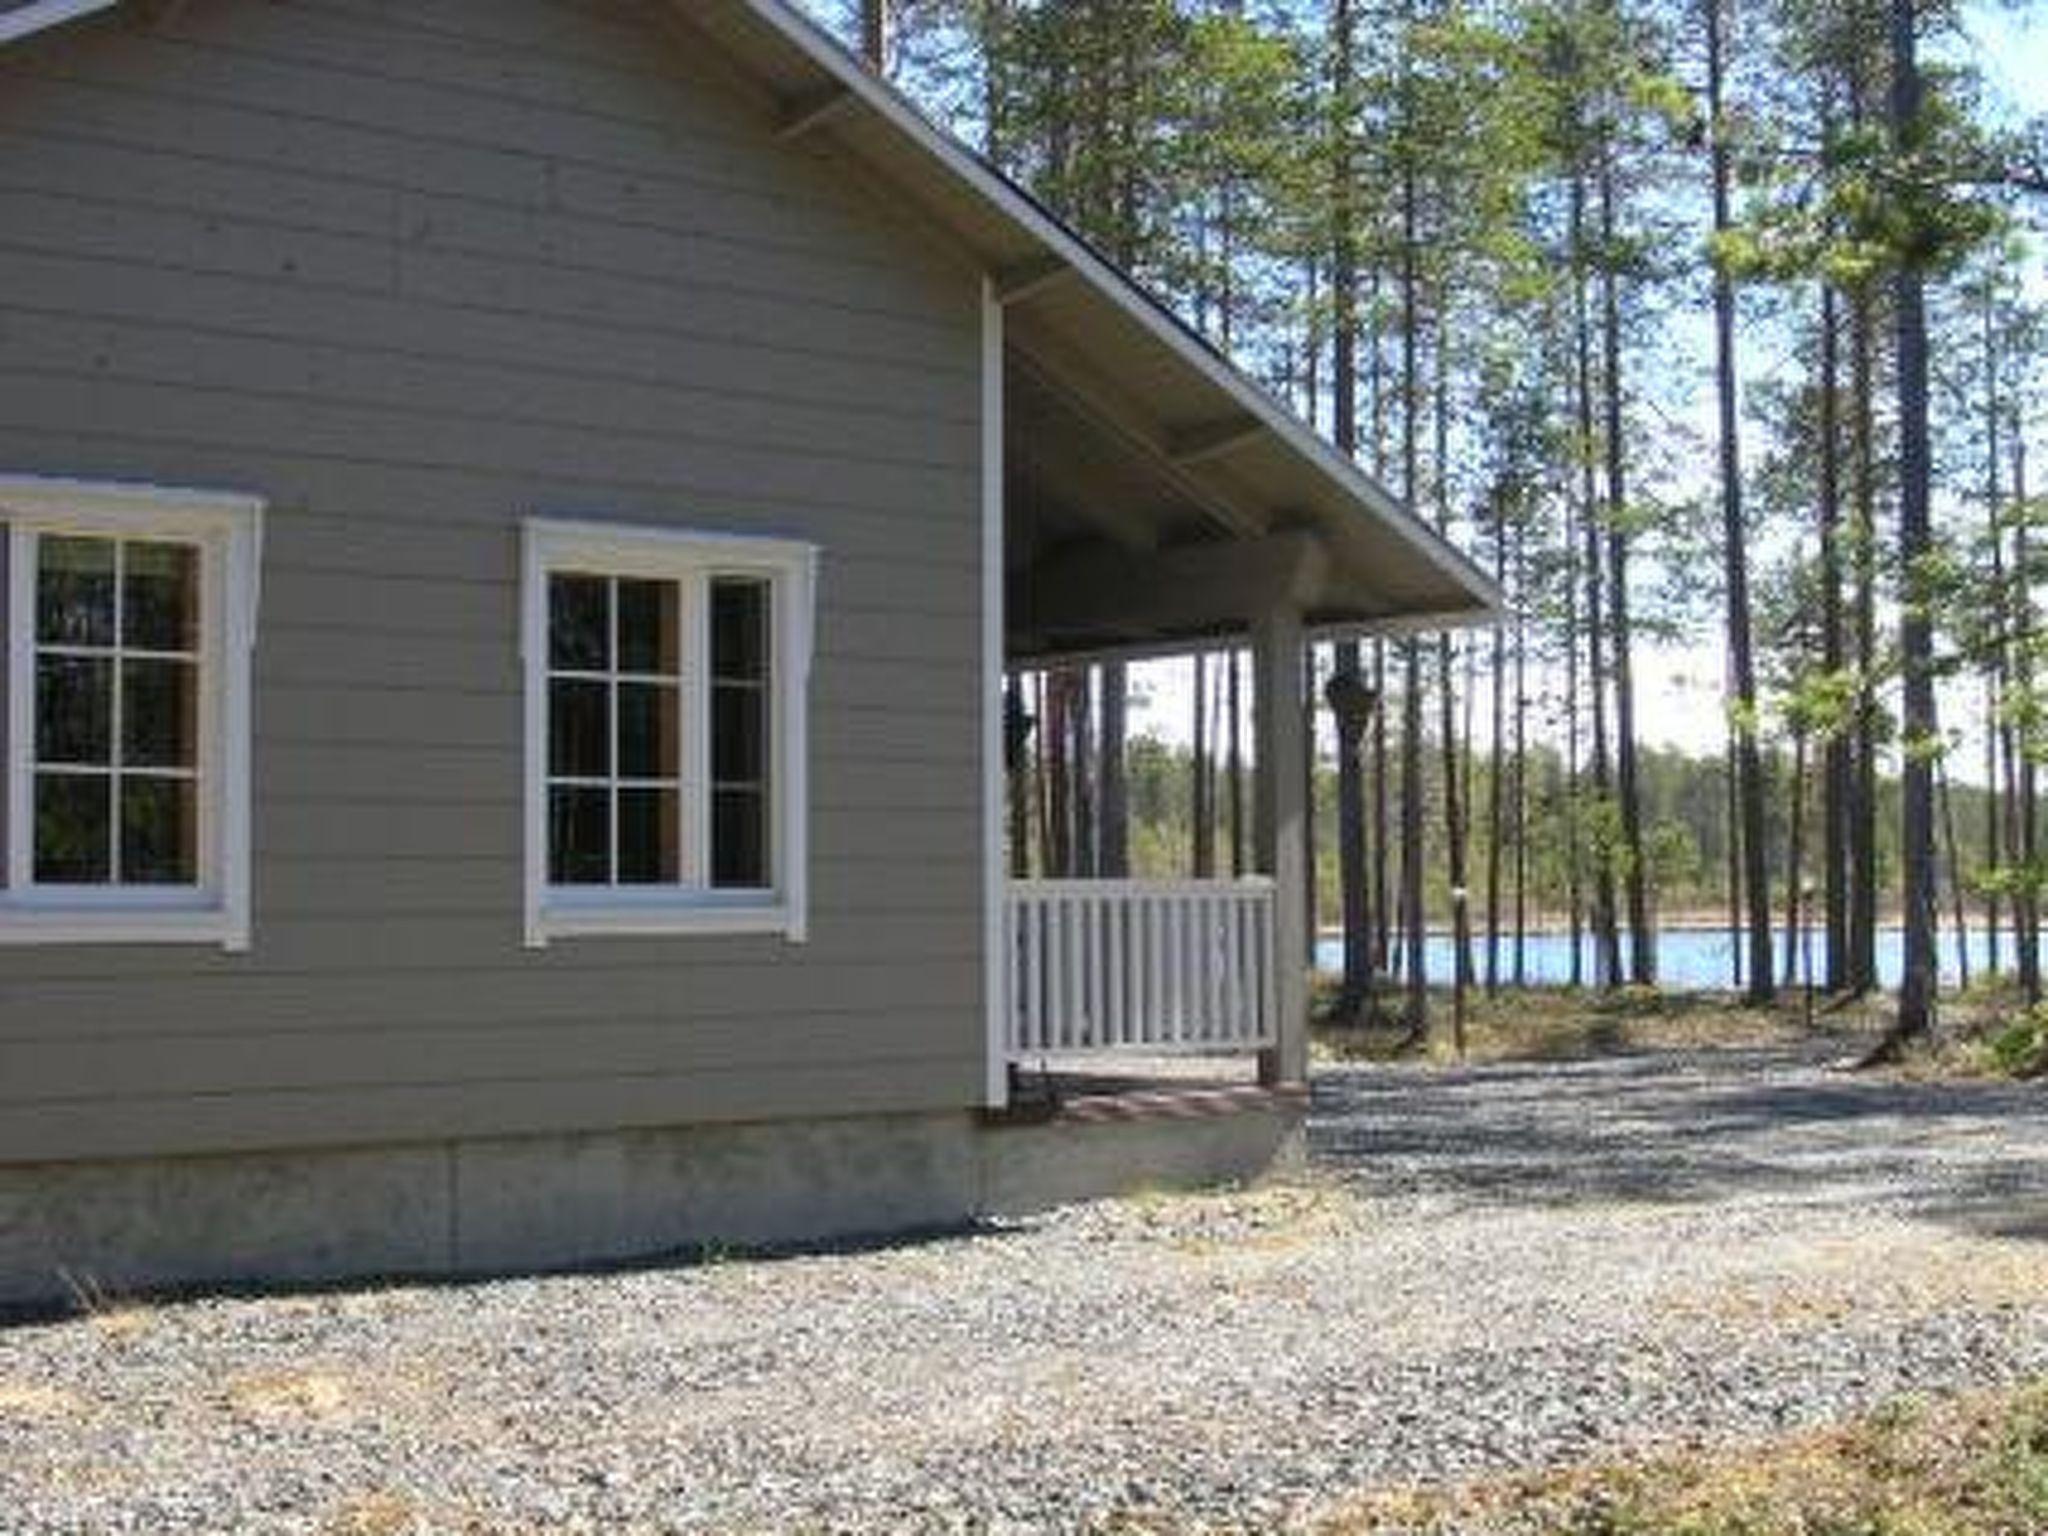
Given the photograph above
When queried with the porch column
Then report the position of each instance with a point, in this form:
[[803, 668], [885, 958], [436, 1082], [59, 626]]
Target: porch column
[[1280, 830]]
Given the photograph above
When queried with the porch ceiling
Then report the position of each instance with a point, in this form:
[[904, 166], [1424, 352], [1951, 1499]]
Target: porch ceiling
[[1145, 514]]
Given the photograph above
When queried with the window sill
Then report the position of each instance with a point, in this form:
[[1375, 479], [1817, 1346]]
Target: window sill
[[578, 920], [60, 922]]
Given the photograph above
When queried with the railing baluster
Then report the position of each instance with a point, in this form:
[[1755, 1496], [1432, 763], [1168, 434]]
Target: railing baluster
[[1073, 967], [1091, 971], [1034, 989], [1155, 992], [1119, 1022], [1108, 966], [1247, 969], [1268, 977]]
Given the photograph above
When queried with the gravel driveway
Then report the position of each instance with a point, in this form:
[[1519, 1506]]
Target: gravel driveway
[[1485, 1269]]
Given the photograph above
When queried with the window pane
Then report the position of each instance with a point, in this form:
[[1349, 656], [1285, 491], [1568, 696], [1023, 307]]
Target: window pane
[[649, 847], [159, 831], [580, 836], [74, 709], [649, 627], [739, 839], [739, 735], [739, 629], [160, 597], [74, 829], [160, 714], [648, 731], [75, 591], [579, 624], [579, 730]]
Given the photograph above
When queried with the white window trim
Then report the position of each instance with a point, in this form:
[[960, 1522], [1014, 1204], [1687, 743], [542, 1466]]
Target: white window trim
[[229, 529], [632, 550]]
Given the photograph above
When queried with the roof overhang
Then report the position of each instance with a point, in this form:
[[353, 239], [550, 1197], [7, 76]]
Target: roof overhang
[[1095, 337], [18, 19], [1209, 440]]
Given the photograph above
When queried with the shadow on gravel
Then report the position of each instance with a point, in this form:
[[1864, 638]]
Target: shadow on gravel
[[14, 1315], [1691, 1127]]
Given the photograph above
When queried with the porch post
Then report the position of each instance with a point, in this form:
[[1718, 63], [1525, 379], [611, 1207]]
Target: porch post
[[1280, 829]]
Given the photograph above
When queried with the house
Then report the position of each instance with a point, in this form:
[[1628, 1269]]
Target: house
[[517, 514]]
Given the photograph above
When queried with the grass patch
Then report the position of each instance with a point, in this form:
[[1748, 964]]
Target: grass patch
[[1985, 1031], [1968, 1466], [1562, 1024]]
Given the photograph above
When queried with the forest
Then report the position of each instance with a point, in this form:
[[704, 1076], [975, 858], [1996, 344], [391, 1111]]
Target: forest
[[1703, 326]]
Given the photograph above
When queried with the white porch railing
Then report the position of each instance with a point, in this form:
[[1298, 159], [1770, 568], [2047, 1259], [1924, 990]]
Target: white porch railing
[[1140, 967]]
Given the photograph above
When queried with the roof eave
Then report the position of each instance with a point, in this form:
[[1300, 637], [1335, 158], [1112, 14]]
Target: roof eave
[[44, 14], [1054, 239], [1024, 215]]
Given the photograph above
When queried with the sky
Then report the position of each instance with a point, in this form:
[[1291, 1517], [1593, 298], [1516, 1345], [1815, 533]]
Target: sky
[[1679, 687]]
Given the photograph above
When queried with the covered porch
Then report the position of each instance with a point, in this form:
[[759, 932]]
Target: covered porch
[[1155, 504]]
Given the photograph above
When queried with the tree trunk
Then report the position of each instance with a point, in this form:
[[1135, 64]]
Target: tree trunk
[[1521, 796], [1734, 831], [1642, 968], [1416, 1010], [1916, 632], [1059, 819], [1356, 990], [1735, 535], [1082, 766], [1862, 971], [1997, 673], [1606, 942], [1019, 778], [1455, 802], [2027, 909], [1496, 781], [1946, 802], [1382, 841], [1415, 1013], [1836, 757], [1112, 806], [1235, 762], [1795, 862], [1574, 847], [874, 34]]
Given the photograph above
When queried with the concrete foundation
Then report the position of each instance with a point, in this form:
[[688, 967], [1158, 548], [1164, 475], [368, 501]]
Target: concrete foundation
[[80, 1231]]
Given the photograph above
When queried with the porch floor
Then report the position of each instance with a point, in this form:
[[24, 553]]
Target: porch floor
[[1135, 1087], [1080, 1074]]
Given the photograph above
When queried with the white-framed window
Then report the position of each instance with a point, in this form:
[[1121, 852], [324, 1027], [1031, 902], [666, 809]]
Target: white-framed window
[[667, 676], [130, 619]]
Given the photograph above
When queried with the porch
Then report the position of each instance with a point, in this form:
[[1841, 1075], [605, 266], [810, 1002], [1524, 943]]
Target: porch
[[1144, 500]]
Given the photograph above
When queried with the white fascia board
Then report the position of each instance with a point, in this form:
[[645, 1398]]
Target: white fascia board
[[45, 14]]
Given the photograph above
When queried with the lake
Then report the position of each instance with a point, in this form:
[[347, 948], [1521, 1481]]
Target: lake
[[1688, 959]]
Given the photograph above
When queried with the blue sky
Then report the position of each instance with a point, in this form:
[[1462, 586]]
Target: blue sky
[[2010, 43]]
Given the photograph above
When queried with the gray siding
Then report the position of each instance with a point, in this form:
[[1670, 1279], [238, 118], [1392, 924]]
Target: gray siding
[[414, 271]]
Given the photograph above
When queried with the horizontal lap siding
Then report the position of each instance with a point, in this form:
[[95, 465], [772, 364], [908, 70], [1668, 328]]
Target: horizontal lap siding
[[415, 272]]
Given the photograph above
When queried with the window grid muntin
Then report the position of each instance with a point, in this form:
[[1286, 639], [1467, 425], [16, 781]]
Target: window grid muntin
[[696, 688], [762, 687], [612, 782], [116, 771]]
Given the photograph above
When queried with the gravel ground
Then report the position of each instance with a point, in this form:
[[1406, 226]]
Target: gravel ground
[[1487, 1269]]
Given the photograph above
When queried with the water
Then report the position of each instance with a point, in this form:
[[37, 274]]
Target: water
[[1688, 959]]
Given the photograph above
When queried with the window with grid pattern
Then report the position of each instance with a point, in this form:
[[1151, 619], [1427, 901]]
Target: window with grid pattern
[[666, 674], [130, 612]]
